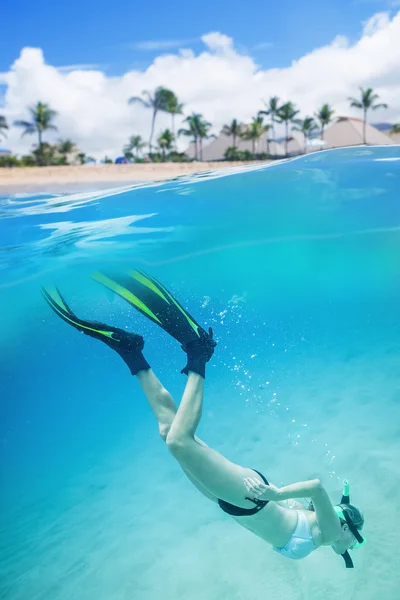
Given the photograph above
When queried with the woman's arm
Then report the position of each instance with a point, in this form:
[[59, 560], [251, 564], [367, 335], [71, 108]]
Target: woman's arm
[[291, 503], [303, 489]]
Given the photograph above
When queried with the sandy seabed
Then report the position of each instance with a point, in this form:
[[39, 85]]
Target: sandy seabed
[[119, 535], [70, 178]]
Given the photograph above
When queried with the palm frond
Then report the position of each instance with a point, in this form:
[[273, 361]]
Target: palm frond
[[137, 99], [29, 127]]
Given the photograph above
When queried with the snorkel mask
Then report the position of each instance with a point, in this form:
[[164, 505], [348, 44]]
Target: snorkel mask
[[343, 514]]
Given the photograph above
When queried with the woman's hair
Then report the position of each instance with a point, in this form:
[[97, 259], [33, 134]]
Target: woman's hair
[[354, 513]]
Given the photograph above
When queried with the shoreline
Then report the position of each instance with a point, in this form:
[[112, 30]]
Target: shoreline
[[76, 177]]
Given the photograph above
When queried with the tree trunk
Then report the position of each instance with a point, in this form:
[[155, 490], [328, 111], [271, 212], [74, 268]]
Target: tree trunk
[[152, 131], [305, 142], [196, 149], [364, 126], [234, 140], [322, 132], [287, 138], [40, 153], [267, 144], [253, 142], [273, 131], [201, 149], [173, 130]]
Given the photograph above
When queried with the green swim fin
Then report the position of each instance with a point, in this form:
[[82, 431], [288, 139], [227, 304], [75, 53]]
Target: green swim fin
[[155, 302], [128, 345]]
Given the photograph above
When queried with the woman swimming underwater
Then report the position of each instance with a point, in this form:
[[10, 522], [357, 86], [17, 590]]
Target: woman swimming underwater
[[242, 492]]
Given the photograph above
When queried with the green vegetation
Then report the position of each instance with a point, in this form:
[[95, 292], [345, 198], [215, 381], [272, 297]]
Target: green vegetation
[[198, 129], [287, 115], [195, 127], [166, 142], [66, 148], [160, 101], [42, 116], [46, 155], [367, 102], [254, 131], [324, 116], [233, 130], [232, 154], [174, 107], [134, 148], [272, 110], [307, 127], [3, 126]]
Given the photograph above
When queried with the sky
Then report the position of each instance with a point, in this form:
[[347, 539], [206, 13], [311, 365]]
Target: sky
[[221, 61]]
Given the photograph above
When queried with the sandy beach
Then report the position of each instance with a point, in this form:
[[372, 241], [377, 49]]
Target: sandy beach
[[69, 178]]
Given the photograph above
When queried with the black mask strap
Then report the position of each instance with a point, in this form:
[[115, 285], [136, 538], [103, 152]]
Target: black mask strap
[[353, 528], [347, 560]]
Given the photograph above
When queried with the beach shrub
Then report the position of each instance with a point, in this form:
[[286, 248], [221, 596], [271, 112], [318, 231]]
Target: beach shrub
[[28, 161], [232, 153], [175, 156], [9, 161]]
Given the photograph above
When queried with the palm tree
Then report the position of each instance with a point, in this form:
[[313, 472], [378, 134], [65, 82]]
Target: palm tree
[[324, 116], [272, 110], [135, 144], [66, 147], [3, 126], [395, 129], [367, 101], [158, 102], [204, 128], [267, 127], [287, 114], [82, 158], [166, 141], [234, 130], [42, 116], [193, 130], [254, 131], [306, 126], [174, 107]]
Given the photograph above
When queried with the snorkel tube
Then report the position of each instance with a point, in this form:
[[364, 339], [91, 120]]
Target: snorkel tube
[[343, 515]]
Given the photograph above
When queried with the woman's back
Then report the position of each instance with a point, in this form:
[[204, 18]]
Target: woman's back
[[276, 524]]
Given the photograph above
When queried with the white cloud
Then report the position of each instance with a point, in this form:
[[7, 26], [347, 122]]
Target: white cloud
[[220, 82], [80, 67], [376, 23], [263, 46], [151, 45]]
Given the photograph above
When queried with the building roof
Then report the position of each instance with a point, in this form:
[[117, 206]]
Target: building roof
[[215, 149], [395, 137], [348, 131], [345, 131]]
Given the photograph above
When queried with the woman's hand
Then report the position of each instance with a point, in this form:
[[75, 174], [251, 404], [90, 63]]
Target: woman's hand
[[261, 490]]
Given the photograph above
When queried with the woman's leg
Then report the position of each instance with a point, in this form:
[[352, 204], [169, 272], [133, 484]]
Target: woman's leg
[[222, 478], [164, 409]]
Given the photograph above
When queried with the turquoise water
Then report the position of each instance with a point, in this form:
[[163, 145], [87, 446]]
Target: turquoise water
[[296, 267]]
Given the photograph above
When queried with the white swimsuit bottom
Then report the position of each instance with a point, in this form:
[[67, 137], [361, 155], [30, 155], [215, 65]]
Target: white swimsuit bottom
[[301, 543]]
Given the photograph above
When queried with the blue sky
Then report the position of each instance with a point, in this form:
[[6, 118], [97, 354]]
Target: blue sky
[[310, 54], [101, 33]]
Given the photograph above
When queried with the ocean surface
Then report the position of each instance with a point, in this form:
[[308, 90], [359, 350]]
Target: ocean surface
[[296, 266]]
